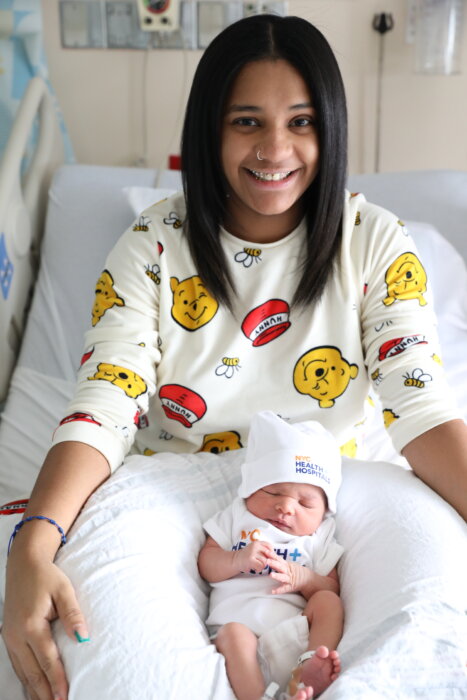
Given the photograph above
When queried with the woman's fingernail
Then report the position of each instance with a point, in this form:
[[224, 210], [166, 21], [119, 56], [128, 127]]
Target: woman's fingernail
[[80, 638]]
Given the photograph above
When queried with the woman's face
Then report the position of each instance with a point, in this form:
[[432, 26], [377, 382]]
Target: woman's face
[[269, 110]]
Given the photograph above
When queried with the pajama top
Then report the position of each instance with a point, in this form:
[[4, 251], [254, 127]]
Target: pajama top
[[247, 598], [166, 368]]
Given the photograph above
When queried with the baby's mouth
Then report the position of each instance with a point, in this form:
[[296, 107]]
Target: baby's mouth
[[280, 524]]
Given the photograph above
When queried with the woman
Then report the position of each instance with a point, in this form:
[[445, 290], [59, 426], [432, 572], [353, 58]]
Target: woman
[[280, 292]]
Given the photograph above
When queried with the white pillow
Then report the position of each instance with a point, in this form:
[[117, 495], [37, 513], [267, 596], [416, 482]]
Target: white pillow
[[140, 198], [445, 268], [132, 556]]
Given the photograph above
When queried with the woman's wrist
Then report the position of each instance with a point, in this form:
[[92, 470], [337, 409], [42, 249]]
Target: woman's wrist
[[36, 539]]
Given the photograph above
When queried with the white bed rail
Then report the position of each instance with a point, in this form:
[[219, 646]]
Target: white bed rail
[[22, 210]]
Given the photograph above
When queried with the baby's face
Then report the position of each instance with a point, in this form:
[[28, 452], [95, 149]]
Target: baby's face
[[295, 508]]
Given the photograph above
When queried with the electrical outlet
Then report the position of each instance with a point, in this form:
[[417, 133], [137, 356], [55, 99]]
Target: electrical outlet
[[159, 15], [251, 7], [123, 28], [275, 7], [82, 24], [213, 17], [257, 7]]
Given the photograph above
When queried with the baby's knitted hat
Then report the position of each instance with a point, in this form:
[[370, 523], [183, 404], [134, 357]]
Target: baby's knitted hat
[[302, 453]]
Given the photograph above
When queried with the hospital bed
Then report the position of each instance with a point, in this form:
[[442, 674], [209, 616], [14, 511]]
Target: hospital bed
[[405, 633]]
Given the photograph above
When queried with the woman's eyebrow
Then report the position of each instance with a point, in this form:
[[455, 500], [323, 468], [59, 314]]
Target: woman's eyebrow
[[243, 108], [253, 108], [302, 105]]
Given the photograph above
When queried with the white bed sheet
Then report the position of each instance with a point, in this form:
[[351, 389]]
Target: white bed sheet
[[405, 638]]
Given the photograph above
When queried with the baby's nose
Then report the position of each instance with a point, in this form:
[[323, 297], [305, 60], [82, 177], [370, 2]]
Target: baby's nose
[[285, 505]]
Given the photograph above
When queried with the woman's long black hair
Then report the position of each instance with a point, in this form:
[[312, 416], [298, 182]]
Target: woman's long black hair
[[305, 48]]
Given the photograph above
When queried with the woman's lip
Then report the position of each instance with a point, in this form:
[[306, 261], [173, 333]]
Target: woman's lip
[[272, 171], [272, 184]]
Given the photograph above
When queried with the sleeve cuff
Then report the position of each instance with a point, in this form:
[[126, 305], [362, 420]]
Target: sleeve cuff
[[404, 431], [96, 436]]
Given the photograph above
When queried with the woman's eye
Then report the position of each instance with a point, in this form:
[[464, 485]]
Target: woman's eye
[[303, 121], [245, 121]]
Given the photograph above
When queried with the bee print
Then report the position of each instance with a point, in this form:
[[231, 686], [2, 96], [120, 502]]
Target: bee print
[[377, 377], [247, 256], [418, 378], [153, 273], [173, 220], [403, 227], [228, 367], [142, 224], [383, 324]]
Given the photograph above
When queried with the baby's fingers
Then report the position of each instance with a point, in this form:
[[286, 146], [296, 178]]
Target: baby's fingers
[[283, 578], [278, 564], [265, 548], [285, 588]]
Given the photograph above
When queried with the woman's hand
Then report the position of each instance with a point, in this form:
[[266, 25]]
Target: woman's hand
[[38, 592]]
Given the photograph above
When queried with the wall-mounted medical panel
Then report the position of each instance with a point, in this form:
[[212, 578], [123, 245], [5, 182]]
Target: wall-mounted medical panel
[[121, 24]]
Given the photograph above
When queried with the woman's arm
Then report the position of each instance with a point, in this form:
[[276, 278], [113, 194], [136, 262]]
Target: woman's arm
[[439, 458], [72, 471], [37, 592]]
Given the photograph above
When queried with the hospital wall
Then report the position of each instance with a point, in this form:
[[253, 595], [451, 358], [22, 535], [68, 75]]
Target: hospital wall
[[101, 93]]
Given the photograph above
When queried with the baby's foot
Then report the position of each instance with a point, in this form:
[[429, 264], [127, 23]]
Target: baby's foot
[[321, 670], [304, 693]]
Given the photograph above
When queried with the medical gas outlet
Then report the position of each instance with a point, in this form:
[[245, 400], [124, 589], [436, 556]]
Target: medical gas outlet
[[159, 15]]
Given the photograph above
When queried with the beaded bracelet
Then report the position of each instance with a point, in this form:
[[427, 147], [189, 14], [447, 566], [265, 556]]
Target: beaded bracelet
[[36, 517]]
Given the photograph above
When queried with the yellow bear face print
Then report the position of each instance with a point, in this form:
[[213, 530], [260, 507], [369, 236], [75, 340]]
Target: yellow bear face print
[[193, 306], [389, 417], [106, 297], [323, 374], [221, 442], [349, 449], [125, 379], [405, 279]]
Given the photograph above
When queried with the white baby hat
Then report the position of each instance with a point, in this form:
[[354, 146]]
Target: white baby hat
[[303, 453]]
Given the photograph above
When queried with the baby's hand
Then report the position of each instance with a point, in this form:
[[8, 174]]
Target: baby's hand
[[254, 556], [291, 576]]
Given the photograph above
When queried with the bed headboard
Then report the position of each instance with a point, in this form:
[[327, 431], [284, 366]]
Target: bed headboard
[[438, 197], [23, 197]]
